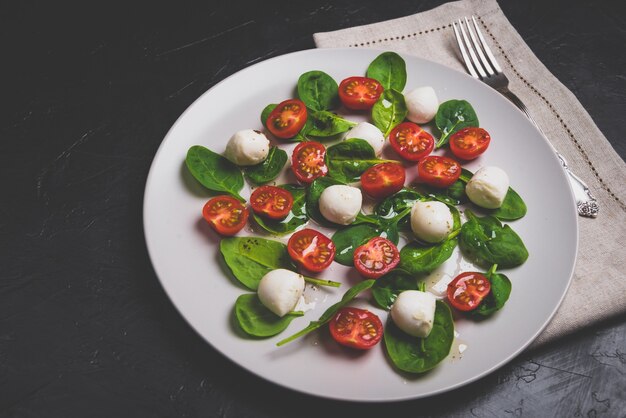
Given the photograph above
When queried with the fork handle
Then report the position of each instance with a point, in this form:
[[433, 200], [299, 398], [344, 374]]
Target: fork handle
[[586, 204]]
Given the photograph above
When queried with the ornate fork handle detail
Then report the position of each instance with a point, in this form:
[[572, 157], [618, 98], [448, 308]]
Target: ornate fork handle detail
[[482, 65], [586, 204]]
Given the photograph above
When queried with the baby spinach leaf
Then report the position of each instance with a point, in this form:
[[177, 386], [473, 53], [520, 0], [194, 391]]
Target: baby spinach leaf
[[388, 287], [497, 297], [269, 169], [331, 311], [389, 111], [389, 69], [453, 116], [513, 207], [452, 195], [397, 203], [466, 175], [418, 355], [214, 172], [346, 240], [325, 124], [251, 258], [318, 90], [266, 113], [296, 218], [348, 159], [420, 259], [258, 321], [487, 242]]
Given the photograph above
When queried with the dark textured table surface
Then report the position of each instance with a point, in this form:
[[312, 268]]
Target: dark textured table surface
[[89, 91]]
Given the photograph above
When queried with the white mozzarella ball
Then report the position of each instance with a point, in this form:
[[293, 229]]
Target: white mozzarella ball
[[280, 290], [414, 312], [488, 187], [431, 221], [422, 104], [247, 147], [341, 204], [368, 132]]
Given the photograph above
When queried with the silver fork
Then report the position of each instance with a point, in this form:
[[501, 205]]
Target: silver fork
[[482, 65]]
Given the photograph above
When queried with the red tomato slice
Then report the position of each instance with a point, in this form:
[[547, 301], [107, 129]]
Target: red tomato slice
[[469, 143], [438, 171], [383, 180], [359, 93], [225, 214], [411, 142], [356, 328], [286, 120], [271, 201], [311, 249], [376, 257], [307, 161], [467, 290]]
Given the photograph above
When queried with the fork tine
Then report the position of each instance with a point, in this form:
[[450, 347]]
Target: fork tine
[[492, 59], [466, 57], [472, 54], [478, 48]]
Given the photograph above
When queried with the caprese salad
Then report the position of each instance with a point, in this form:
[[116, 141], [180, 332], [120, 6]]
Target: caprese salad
[[337, 163]]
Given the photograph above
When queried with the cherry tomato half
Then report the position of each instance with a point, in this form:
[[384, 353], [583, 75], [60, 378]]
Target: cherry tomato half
[[356, 328], [376, 257], [359, 93], [225, 214], [469, 143], [438, 171], [411, 142], [383, 180], [286, 120], [307, 161], [311, 249], [467, 290], [271, 201]]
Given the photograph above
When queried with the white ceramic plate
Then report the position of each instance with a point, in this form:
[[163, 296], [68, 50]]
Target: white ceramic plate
[[186, 257]]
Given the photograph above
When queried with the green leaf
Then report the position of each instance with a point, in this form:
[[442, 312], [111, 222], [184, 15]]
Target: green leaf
[[388, 287], [420, 259], [497, 297], [346, 240], [397, 203], [452, 195], [258, 321], [389, 69], [318, 90], [214, 172], [325, 124], [513, 207], [265, 114], [348, 159], [331, 311], [418, 355], [453, 116], [296, 218], [251, 258], [269, 169], [389, 111], [487, 242]]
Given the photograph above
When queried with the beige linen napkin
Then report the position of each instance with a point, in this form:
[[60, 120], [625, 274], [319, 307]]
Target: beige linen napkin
[[598, 289]]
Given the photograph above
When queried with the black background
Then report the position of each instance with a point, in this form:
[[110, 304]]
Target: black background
[[88, 93]]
